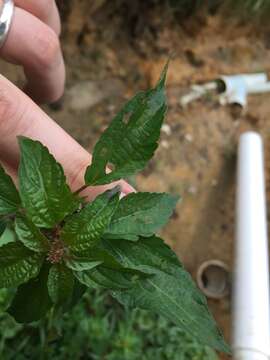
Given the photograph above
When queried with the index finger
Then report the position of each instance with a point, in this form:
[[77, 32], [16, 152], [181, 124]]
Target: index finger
[[36, 47], [19, 115], [45, 10]]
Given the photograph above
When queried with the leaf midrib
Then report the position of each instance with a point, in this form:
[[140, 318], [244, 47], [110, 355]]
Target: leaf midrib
[[123, 218]]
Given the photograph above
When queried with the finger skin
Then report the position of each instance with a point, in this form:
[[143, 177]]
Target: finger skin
[[36, 47], [45, 10], [21, 116]]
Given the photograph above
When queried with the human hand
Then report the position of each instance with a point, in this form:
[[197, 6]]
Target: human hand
[[34, 44], [19, 115]]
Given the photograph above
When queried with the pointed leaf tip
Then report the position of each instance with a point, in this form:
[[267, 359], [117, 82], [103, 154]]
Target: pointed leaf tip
[[163, 76], [131, 139]]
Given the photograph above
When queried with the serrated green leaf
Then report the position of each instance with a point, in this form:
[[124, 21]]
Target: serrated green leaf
[[84, 230], [60, 284], [9, 196], [17, 264], [129, 145], [30, 235], [108, 278], [141, 214], [32, 300], [170, 292], [109, 273], [43, 188]]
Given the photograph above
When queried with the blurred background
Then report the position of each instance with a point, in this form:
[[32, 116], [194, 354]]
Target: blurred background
[[112, 50]]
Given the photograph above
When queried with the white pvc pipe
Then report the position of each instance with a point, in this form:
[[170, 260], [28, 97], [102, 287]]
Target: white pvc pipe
[[253, 79], [259, 88], [251, 333]]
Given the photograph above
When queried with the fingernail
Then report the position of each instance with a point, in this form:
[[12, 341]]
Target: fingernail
[[122, 195]]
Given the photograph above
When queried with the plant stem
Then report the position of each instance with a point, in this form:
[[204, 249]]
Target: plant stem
[[81, 189], [9, 217]]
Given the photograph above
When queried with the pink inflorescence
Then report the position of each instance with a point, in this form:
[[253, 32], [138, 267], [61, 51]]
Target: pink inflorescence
[[56, 252]]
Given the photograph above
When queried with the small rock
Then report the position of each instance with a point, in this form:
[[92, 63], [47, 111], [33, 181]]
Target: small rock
[[165, 144], [188, 137], [87, 94], [166, 129], [192, 190], [236, 123]]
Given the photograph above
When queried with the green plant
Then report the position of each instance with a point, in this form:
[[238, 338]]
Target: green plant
[[98, 328], [64, 244]]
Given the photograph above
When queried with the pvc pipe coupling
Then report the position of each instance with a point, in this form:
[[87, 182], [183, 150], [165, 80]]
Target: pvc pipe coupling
[[238, 87], [213, 278]]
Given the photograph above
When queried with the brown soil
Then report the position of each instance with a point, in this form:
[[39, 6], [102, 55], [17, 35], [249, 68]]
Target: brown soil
[[111, 52]]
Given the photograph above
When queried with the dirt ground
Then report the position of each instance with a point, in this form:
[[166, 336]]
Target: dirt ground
[[111, 53]]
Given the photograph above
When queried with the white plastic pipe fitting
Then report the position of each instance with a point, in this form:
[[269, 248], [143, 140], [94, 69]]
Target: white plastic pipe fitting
[[237, 87], [213, 279]]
